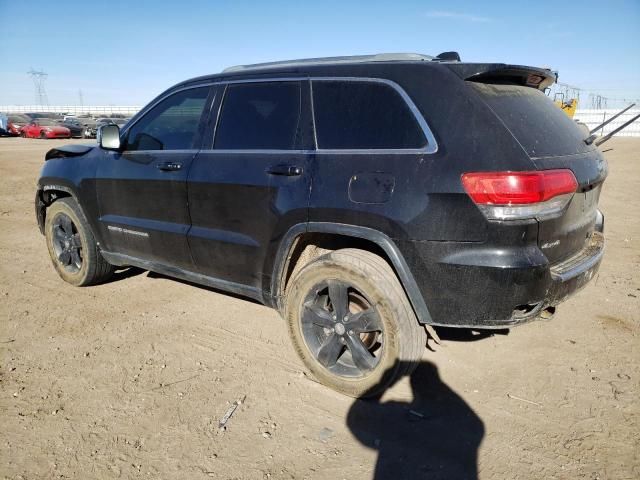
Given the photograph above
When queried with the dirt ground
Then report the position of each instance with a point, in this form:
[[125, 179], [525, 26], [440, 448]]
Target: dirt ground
[[130, 379]]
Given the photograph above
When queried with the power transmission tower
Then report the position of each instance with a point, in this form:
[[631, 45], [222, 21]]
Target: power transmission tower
[[39, 77]]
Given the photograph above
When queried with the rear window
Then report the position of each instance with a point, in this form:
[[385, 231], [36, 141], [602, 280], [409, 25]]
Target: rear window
[[363, 115], [537, 124]]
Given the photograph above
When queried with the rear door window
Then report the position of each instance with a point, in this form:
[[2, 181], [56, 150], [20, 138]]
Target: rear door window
[[260, 116], [536, 123], [363, 115]]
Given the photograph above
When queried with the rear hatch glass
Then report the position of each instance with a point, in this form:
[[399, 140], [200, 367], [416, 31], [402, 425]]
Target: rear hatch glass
[[536, 123]]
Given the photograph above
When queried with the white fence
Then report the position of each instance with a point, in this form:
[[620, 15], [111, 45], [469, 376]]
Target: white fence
[[71, 109], [593, 118]]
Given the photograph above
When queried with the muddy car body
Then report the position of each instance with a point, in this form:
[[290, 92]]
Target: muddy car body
[[460, 187]]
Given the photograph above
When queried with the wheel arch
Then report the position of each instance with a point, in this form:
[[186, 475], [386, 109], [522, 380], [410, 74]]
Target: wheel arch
[[290, 250], [49, 193]]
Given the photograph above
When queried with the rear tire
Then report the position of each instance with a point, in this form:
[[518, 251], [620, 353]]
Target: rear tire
[[331, 347], [72, 247], [43, 135]]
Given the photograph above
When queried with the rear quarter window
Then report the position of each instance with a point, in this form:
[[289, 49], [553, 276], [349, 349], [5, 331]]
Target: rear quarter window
[[363, 115], [536, 123]]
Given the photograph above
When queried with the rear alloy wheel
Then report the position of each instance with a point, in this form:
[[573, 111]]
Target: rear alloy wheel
[[352, 324], [72, 247]]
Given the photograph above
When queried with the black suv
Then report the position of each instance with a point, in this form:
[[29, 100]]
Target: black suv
[[363, 197]]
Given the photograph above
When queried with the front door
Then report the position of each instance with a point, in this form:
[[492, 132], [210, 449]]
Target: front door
[[253, 182], [142, 190]]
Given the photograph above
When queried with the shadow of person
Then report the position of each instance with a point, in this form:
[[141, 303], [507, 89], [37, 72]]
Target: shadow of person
[[435, 436]]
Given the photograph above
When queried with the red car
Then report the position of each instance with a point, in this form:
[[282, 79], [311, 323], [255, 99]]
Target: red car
[[15, 123], [44, 128]]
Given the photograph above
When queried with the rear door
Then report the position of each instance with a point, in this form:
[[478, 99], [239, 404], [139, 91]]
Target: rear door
[[252, 182], [142, 190], [553, 141]]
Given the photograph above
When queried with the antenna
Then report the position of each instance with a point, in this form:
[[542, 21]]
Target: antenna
[[39, 77]]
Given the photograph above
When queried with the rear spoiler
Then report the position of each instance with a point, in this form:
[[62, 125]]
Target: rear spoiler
[[500, 73]]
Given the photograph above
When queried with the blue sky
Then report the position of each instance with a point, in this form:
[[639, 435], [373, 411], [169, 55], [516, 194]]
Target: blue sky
[[125, 52]]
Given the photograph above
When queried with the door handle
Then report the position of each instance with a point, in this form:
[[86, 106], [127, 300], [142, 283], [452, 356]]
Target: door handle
[[168, 166], [286, 170]]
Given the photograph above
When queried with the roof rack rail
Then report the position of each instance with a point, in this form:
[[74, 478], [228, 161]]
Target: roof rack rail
[[378, 57]]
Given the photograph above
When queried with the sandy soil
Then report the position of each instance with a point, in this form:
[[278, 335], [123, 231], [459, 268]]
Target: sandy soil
[[130, 379]]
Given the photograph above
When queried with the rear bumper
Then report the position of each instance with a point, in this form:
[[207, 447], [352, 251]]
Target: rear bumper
[[476, 286], [572, 274]]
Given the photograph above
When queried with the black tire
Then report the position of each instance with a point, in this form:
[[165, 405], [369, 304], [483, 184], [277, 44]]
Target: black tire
[[398, 341], [42, 135], [72, 246]]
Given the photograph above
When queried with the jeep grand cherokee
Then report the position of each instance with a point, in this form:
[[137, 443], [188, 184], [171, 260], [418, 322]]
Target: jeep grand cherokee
[[363, 197]]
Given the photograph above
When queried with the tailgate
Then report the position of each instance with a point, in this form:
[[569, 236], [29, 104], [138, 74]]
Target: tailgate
[[561, 237], [552, 141]]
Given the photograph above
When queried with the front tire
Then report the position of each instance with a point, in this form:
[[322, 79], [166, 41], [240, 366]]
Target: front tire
[[351, 323], [72, 246]]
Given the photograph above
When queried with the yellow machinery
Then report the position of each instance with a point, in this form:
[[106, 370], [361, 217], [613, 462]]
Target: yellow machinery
[[569, 107], [566, 97]]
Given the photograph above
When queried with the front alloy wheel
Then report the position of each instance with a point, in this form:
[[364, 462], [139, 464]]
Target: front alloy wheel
[[72, 246], [67, 244]]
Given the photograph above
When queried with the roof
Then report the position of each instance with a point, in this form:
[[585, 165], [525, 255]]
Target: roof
[[355, 59]]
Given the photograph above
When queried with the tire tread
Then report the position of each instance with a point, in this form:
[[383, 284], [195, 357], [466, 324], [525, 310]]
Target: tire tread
[[98, 269], [412, 335]]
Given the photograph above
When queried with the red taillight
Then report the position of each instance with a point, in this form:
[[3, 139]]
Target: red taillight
[[518, 188], [521, 195]]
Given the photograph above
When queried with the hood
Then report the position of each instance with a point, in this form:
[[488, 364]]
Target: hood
[[68, 151], [56, 129]]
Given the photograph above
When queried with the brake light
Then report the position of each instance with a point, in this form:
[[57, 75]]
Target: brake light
[[517, 195]]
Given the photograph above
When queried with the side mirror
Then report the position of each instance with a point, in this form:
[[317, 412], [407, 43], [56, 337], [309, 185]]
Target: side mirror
[[109, 137]]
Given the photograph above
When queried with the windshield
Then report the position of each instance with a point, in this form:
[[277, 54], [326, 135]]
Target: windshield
[[46, 122], [18, 119]]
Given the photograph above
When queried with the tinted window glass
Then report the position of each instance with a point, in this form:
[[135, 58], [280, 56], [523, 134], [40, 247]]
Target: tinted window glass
[[170, 125], [260, 116], [539, 126], [357, 115], [19, 119]]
